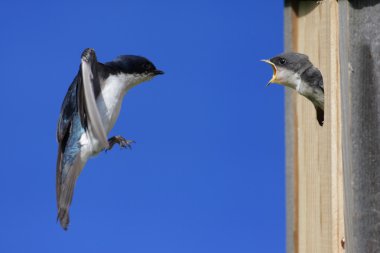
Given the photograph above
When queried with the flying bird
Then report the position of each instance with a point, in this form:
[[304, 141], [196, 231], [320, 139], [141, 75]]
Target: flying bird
[[295, 71], [89, 112]]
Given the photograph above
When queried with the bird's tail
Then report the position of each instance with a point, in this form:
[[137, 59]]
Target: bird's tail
[[63, 212], [66, 191], [63, 217]]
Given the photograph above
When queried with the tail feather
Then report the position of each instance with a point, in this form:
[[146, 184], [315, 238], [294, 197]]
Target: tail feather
[[63, 217], [66, 191]]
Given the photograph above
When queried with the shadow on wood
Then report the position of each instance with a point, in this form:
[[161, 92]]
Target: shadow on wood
[[307, 6]]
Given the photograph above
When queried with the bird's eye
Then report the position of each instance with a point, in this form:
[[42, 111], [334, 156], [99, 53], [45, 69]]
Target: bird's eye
[[282, 61]]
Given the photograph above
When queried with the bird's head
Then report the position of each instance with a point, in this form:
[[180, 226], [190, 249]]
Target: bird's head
[[287, 68], [137, 68]]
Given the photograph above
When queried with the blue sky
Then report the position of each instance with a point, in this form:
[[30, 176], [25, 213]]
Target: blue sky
[[207, 171]]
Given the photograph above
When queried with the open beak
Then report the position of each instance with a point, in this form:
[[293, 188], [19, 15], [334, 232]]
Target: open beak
[[274, 76]]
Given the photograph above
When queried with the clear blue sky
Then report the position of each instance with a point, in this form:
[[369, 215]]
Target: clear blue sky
[[207, 171]]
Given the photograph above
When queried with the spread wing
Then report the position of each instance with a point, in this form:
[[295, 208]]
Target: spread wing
[[79, 113]]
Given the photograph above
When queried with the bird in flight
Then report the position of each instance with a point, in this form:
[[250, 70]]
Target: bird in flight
[[295, 71], [89, 112]]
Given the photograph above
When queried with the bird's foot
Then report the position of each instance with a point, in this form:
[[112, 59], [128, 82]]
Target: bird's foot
[[123, 143]]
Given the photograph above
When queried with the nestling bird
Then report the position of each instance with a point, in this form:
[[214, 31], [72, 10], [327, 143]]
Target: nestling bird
[[295, 71], [89, 112]]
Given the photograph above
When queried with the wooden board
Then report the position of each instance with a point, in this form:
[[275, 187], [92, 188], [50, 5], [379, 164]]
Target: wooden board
[[314, 153]]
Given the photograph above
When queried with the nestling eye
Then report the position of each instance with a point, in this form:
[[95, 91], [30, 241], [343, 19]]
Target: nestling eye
[[282, 61]]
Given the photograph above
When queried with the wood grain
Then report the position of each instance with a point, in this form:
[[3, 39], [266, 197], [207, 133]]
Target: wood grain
[[316, 189]]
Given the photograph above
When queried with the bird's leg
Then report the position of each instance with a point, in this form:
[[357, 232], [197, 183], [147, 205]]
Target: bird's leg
[[123, 143]]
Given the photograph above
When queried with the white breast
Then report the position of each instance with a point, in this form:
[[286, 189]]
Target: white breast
[[110, 100], [109, 103]]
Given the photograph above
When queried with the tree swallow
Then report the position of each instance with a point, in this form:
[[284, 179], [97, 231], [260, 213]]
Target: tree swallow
[[89, 112], [295, 71]]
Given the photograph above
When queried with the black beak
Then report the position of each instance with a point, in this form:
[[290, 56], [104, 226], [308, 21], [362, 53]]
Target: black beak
[[158, 72]]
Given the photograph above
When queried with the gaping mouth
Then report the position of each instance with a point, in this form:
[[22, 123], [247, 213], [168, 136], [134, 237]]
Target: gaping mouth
[[274, 76]]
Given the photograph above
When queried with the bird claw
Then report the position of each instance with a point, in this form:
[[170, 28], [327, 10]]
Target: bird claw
[[123, 143], [126, 144]]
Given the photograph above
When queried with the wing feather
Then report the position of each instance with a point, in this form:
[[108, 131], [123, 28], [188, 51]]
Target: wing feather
[[79, 113], [94, 120]]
